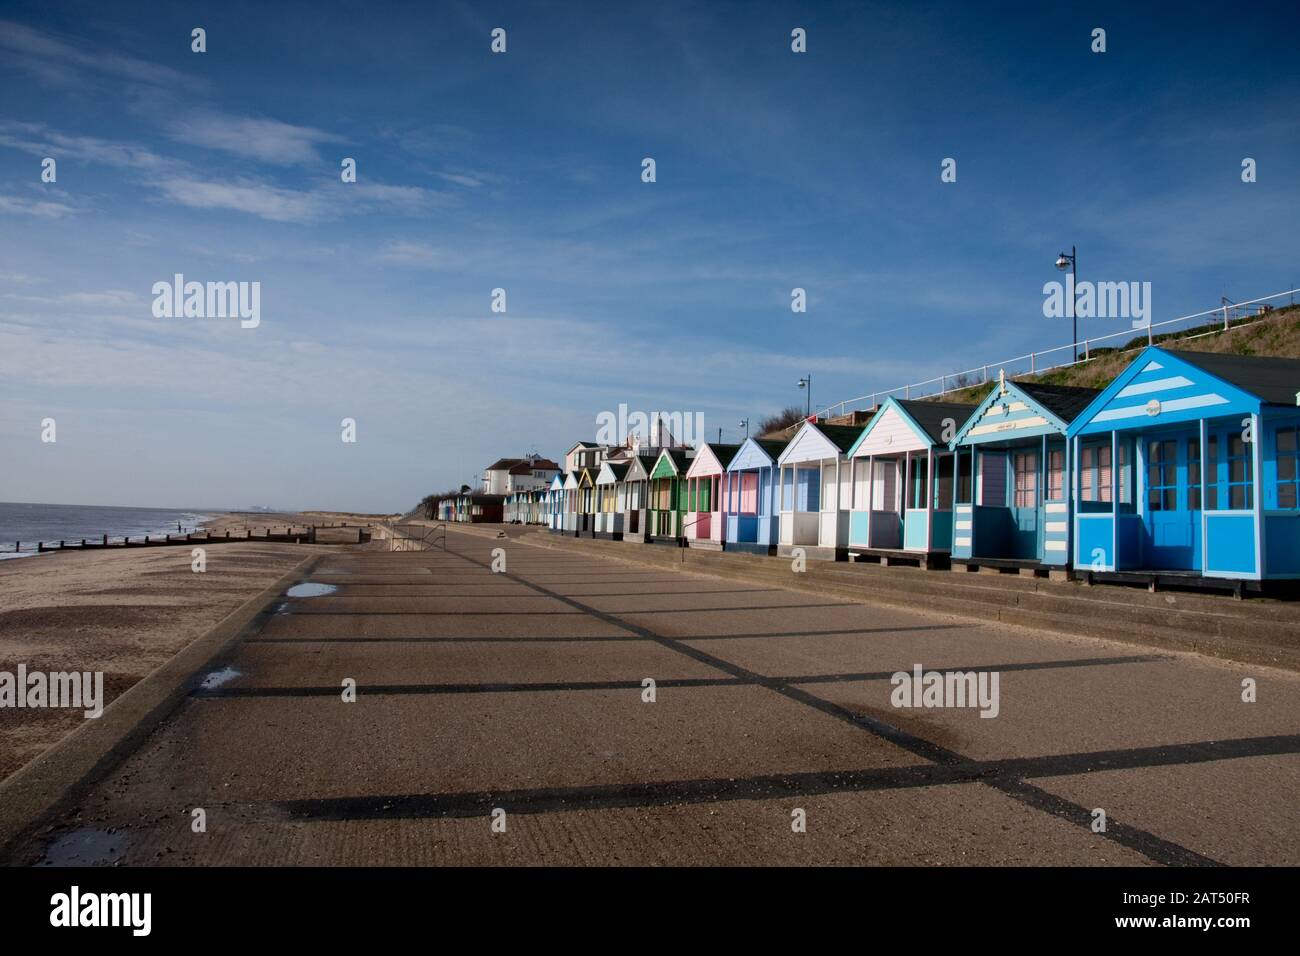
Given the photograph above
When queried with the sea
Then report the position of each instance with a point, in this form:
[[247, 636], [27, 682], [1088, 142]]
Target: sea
[[31, 523]]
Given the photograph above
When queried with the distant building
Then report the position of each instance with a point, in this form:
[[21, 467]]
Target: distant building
[[507, 476]]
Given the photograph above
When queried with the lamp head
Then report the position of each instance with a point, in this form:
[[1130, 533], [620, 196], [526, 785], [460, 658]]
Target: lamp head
[[1063, 262]]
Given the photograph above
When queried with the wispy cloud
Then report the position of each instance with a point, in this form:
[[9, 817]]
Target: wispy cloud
[[326, 200], [67, 62], [39, 208], [39, 140], [265, 140], [244, 195]]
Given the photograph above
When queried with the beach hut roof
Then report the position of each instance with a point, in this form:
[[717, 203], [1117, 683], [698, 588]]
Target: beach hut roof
[[712, 456], [814, 440], [933, 416], [926, 420], [1169, 387], [678, 462], [612, 472], [1066, 402], [1054, 407], [757, 453], [1275, 380]]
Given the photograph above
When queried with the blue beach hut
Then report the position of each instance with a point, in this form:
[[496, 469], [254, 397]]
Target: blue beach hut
[[749, 497], [1188, 465], [1012, 503]]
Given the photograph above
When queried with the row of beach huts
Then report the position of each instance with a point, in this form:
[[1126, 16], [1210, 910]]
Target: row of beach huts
[[1186, 467]]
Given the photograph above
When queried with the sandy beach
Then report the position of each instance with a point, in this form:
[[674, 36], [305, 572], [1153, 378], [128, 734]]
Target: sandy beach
[[124, 612]]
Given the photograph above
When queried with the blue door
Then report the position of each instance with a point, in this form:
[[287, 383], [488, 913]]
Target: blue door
[[1172, 524]]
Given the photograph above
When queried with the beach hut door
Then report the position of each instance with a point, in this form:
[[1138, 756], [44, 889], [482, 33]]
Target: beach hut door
[[1173, 508], [1025, 515]]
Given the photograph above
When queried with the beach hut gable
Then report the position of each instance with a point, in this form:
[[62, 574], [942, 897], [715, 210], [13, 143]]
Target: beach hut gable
[[665, 467], [705, 462], [612, 473], [1009, 412], [809, 445], [752, 454], [1162, 388], [637, 469], [711, 460], [892, 431]]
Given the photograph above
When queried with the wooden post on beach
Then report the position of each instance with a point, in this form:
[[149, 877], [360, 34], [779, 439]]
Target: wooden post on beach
[[106, 541]]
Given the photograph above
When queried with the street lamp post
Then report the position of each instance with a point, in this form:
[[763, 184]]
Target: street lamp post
[[744, 423], [1071, 263], [806, 383]]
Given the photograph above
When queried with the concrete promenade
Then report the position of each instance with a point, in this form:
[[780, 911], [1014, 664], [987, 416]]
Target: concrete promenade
[[524, 692]]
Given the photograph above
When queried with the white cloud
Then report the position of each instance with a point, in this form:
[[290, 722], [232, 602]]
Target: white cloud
[[248, 196], [39, 208], [66, 63], [38, 140], [265, 140]]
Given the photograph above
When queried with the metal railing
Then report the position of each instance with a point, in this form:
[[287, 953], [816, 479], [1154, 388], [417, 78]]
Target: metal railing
[[1076, 353], [418, 537]]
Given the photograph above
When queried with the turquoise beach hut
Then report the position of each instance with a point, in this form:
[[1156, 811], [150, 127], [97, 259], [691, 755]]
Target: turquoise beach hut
[[903, 475]]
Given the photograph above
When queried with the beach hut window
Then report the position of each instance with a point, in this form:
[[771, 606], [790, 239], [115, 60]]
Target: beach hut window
[[943, 483], [1126, 471], [993, 480], [1288, 467], [1194, 474], [808, 493], [748, 494], [861, 471], [1026, 467], [1162, 476], [828, 487], [884, 491], [1056, 474], [787, 490], [964, 465], [1239, 475], [916, 490], [1096, 471]]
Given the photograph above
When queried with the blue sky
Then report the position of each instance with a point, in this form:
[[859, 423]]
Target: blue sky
[[522, 171]]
